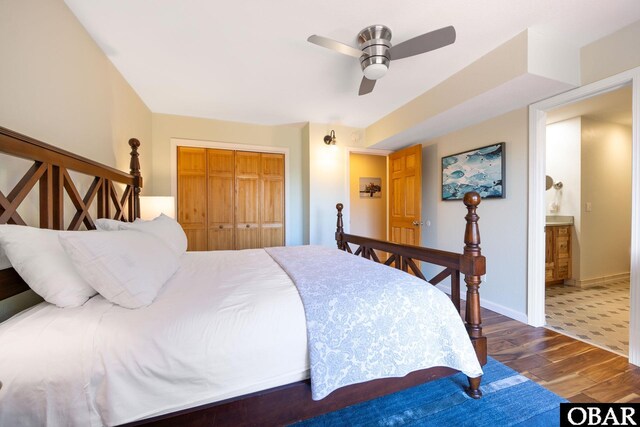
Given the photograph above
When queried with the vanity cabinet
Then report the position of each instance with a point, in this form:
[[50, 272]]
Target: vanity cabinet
[[557, 254]]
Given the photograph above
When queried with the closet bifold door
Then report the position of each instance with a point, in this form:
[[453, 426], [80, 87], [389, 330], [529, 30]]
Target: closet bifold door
[[192, 196], [230, 199], [247, 200], [272, 200], [221, 183]]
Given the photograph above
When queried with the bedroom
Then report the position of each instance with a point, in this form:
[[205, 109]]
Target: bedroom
[[82, 97]]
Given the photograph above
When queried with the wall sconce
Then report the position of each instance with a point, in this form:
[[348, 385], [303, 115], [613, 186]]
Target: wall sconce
[[331, 138], [549, 183]]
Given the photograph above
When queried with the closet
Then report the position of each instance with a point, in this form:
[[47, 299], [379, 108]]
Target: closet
[[230, 199]]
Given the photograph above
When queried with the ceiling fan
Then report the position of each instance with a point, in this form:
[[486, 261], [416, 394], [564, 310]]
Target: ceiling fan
[[376, 51]]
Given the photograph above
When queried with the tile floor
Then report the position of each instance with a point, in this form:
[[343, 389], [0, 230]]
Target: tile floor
[[598, 315]]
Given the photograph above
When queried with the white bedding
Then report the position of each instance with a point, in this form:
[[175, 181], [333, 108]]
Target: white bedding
[[226, 324]]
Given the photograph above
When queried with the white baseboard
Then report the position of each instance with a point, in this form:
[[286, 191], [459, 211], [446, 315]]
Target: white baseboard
[[598, 281], [489, 305]]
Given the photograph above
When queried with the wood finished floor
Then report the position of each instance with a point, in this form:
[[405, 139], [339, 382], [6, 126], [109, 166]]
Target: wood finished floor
[[577, 371]]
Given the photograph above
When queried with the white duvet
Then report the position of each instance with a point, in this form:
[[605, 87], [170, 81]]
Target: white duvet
[[226, 324]]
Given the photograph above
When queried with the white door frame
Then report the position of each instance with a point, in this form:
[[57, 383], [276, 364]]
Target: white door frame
[[536, 240]]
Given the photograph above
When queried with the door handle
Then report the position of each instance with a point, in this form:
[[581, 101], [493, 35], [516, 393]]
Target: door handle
[[417, 223]]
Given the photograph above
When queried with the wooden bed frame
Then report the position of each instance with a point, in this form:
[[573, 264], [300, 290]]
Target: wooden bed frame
[[277, 406]]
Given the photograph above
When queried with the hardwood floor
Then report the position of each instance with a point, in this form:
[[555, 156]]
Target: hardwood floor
[[570, 368]]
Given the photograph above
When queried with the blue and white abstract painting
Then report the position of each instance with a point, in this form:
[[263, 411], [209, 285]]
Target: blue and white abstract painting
[[480, 170]]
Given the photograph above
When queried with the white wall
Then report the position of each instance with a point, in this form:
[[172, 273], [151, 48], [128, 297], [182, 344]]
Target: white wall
[[328, 179], [563, 164]]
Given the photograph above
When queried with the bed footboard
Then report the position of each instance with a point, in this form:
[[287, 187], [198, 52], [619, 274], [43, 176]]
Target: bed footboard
[[470, 263]]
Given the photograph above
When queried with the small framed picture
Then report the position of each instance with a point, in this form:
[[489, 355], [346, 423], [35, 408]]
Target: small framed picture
[[480, 170], [370, 188]]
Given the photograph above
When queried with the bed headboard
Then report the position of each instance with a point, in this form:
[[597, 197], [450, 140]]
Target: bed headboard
[[50, 172]]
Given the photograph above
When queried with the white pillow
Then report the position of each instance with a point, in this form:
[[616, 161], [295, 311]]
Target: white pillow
[[126, 267], [166, 229], [36, 254], [107, 224]]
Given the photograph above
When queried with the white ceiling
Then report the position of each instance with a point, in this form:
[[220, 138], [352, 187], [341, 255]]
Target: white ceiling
[[249, 61]]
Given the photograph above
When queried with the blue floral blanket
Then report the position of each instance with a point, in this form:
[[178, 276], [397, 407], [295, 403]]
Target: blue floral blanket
[[366, 320]]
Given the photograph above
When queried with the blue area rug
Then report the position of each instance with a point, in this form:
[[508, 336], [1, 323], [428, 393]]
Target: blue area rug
[[509, 399]]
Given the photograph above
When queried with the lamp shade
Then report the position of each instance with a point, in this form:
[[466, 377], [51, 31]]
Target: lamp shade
[[152, 206]]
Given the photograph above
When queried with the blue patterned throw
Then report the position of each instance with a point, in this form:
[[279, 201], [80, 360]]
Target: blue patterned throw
[[366, 320]]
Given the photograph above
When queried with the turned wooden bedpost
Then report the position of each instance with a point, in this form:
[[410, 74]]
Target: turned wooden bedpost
[[474, 268], [134, 165], [339, 227]]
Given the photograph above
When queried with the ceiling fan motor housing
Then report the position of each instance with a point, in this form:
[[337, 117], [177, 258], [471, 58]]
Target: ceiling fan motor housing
[[375, 42]]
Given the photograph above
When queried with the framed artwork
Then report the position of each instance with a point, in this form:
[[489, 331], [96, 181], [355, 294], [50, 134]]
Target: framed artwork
[[480, 170], [370, 188]]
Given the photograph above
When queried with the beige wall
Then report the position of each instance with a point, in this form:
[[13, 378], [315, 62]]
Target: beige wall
[[166, 127], [503, 222], [605, 234], [611, 55], [368, 214], [56, 85]]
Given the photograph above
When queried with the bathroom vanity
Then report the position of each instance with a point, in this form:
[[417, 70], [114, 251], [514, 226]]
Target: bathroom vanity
[[558, 232]]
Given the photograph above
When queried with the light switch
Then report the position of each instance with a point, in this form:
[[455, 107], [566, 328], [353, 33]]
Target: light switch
[[587, 207]]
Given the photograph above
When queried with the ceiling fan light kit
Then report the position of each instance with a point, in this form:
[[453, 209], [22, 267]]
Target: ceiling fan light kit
[[376, 51], [375, 42]]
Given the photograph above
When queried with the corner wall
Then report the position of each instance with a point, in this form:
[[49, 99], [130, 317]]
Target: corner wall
[[56, 85]]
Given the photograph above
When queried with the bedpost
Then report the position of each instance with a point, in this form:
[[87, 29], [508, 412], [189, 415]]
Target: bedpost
[[474, 269], [339, 227], [134, 165]]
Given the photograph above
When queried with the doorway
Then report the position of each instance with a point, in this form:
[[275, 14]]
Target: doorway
[[368, 195], [536, 237], [588, 219]]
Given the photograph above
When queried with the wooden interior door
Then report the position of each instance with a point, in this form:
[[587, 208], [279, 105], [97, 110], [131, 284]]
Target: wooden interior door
[[192, 196], [405, 195], [272, 200], [221, 195], [247, 201]]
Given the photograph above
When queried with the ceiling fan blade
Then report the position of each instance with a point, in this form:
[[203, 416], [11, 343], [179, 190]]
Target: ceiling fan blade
[[427, 42], [334, 45], [366, 86]]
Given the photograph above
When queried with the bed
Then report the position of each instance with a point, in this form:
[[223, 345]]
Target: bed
[[258, 337]]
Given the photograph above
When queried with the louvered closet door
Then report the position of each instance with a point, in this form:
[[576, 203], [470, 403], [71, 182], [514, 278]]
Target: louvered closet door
[[272, 200], [192, 196], [247, 208], [221, 180]]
